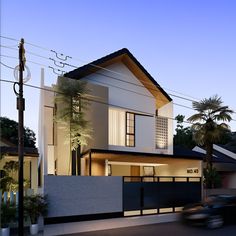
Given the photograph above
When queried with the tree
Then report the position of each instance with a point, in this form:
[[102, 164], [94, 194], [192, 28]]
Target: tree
[[207, 128], [8, 181], [184, 135], [9, 131], [11, 167], [71, 103], [231, 144]]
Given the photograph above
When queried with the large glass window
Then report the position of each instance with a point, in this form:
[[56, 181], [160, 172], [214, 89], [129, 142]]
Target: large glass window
[[121, 128], [116, 127], [161, 132], [130, 129]]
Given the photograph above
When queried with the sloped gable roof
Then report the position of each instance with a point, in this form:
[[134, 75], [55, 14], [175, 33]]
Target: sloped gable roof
[[133, 65], [5, 142], [182, 151], [13, 151], [218, 156]]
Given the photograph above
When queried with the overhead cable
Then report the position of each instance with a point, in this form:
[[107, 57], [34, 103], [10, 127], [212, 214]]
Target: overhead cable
[[96, 101]]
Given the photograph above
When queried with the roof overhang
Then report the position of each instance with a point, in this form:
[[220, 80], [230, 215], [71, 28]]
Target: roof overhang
[[124, 56], [134, 157], [13, 151]]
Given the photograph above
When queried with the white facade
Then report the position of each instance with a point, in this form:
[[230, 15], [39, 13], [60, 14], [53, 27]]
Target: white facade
[[127, 94], [117, 91]]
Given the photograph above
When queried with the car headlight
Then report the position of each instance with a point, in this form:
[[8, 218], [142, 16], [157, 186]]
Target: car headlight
[[197, 216]]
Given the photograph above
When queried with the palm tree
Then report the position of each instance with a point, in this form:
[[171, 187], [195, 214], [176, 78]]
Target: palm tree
[[209, 124], [71, 102]]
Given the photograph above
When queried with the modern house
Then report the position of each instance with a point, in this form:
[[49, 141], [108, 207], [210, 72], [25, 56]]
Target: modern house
[[130, 161], [131, 119]]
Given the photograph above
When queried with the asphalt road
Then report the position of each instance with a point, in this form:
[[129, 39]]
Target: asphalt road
[[165, 229]]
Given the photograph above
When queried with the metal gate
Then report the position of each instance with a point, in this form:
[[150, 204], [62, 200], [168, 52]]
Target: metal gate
[[143, 193]]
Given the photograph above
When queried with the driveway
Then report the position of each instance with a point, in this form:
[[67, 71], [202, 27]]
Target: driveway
[[164, 229]]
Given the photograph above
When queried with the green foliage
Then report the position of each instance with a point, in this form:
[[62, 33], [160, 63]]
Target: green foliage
[[206, 128], [35, 206], [231, 145], [11, 167], [71, 103], [211, 178], [8, 214], [226, 138], [8, 183], [183, 136], [9, 131]]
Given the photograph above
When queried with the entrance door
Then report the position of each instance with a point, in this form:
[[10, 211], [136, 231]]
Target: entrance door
[[135, 171]]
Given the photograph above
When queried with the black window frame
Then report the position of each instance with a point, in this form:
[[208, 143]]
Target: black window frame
[[128, 134]]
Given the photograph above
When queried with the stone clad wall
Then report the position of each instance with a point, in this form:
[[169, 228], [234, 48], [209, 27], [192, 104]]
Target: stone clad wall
[[83, 195]]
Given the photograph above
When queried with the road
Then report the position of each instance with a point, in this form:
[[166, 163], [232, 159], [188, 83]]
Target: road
[[164, 229]]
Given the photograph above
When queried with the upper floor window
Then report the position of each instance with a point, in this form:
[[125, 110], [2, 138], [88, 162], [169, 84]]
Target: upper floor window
[[161, 132], [121, 128], [130, 129], [116, 127]]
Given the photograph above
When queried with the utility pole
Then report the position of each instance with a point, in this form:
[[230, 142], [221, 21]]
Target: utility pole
[[21, 108]]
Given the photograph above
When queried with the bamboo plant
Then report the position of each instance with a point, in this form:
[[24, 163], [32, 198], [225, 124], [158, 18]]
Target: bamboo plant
[[71, 103]]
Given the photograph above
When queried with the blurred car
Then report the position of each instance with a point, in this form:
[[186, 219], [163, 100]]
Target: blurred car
[[213, 213]]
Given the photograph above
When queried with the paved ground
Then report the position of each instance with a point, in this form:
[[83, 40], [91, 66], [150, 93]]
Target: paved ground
[[164, 229], [104, 224], [107, 224]]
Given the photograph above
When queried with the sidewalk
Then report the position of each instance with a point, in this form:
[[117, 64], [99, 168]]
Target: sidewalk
[[86, 226]]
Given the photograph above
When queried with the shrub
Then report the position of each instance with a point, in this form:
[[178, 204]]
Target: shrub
[[35, 206]]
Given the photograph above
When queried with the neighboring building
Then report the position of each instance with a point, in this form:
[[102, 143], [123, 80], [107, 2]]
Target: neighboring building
[[131, 121], [9, 152], [224, 161]]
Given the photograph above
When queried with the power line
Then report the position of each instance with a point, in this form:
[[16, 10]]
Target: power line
[[94, 80], [103, 68], [177, 104], [85, 98], [60, 71], [37, 55], [9, 47], [127, 76], [5, 37], [93, 100], [36, 63], [37, 46], [128, 82], [63, 64], [12, 68], [91, 64], [31, 44], [8, 56], [96, 66], [102, 75], [97, 101], [181, 93]]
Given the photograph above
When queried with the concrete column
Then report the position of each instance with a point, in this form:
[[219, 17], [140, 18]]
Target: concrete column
[[34, 174], [106, 167]]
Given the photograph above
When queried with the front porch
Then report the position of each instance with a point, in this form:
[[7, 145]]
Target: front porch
[[96, 162]]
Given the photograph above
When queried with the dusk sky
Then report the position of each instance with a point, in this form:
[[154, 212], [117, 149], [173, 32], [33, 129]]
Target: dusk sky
[[188, 46]]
